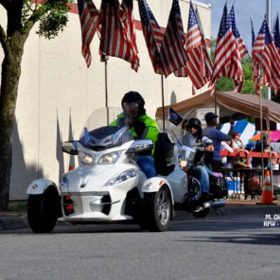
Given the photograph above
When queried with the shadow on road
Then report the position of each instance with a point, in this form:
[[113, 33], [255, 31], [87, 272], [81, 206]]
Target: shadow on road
[[248, 239]]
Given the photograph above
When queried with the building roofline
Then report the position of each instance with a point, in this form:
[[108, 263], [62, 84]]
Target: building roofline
[[200, 4]]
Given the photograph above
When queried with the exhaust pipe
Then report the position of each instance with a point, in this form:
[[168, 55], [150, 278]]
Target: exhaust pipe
[[217, 204]]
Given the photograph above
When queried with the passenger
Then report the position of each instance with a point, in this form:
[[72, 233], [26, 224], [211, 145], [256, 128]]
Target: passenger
[[141, 127], [217, 137], [192, 138], [184, 124], [183, 127]]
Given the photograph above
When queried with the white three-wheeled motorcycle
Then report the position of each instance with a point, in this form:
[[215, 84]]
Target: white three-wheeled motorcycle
[[108, 186]]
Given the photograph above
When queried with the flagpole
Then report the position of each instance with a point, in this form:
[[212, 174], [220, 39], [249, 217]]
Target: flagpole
[[105, 59], [162, 103], [269, 21], [215, 100]]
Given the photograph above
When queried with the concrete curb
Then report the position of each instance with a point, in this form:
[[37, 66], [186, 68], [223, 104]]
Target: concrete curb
[[12, 221]]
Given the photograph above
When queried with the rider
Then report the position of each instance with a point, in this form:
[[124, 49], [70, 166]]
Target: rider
[[192, 138], [141, 127]]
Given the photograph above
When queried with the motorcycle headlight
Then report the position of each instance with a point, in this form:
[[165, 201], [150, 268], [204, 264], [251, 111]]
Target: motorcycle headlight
[[85, 158], [122, 177], [109, 158]]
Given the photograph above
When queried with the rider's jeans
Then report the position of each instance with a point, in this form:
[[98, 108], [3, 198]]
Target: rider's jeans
[[201, 174], [147, 166]]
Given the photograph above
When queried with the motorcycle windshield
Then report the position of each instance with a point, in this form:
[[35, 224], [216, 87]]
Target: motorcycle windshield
[[98, 134]]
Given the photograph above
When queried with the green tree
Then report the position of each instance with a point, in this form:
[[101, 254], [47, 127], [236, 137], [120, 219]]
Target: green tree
[[226, 84], [248, 83], [21, 18]]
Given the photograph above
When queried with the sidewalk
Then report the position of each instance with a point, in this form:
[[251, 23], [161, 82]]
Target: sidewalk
[[18, 220], [12, 220]]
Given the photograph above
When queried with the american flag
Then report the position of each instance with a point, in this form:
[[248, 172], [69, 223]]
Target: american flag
[[207, 65], [240, 42], [275, 64], [257, 73], [265, 53], [153, 35], [128, 21], [172, 48], [276, 33], [199, 65], [261, 53], [89, 19], [241, 47], [115, 40], [227, 55]]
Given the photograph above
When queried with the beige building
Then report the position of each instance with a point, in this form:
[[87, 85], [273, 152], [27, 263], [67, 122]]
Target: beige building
[[57, 92]]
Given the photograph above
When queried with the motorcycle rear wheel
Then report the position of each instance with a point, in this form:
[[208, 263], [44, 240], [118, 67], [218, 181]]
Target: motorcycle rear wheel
[[201, 213]]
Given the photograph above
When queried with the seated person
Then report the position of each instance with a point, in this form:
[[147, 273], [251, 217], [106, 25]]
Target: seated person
[[237, 146], [227, 145], [257, 161], [141, 127]]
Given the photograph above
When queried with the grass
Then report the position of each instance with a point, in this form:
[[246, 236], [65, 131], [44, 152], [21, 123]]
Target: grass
[[17, 206]]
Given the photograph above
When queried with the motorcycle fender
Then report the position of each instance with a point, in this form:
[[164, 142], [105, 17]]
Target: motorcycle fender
[[40, 185], [154, 184]]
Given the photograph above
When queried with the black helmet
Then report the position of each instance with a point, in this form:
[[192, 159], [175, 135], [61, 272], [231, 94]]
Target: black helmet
[[133, 104], [194, 122]]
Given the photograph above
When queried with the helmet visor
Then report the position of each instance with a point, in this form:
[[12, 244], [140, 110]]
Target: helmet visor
[[131, 109]]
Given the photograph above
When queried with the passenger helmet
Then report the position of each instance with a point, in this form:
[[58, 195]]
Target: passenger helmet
[[194, 122]]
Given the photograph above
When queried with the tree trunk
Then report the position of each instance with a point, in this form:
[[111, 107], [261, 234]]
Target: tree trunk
[[11, 70]]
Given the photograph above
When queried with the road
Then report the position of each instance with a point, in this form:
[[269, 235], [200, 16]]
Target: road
[[218, 247]]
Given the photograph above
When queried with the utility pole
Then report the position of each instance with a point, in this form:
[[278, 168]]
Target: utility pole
[[269, 22]]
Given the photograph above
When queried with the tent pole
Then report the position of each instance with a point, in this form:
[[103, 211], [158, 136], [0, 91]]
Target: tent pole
[[162, 103]]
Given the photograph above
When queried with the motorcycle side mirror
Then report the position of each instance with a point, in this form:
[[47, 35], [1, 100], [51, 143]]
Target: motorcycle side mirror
[[70, 147], [140, 146]]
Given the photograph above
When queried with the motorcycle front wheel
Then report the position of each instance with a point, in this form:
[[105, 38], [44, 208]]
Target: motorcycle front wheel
[[42, 211], [157, 210]]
